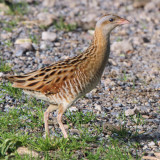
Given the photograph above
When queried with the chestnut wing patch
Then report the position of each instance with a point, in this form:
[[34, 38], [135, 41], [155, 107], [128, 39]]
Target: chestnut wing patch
[[47, 80]]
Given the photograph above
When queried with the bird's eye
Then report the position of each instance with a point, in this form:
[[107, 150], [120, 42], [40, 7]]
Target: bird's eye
[[111, 19]]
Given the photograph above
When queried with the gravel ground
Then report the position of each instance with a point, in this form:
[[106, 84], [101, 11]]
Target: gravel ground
[[130, 85]]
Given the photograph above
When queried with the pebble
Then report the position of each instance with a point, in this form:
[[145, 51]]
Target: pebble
[[150, 6], [50, 36], [5, 36], [98, 107], [48, 3], [151, 144], [74, 131], [130, 112], [73, 109], [122, 46], [23, 151], [45, 18], [22, 46], [87, 21]]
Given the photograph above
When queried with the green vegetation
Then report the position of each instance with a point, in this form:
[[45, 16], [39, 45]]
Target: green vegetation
[[19, 8], [9, 25], [62, 25], [14, 92], [4, 67], [8, 43], [34, 38], [124, 77], [22, 125]]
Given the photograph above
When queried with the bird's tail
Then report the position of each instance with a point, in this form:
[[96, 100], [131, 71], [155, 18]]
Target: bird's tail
[[2, 76], [6, 77]]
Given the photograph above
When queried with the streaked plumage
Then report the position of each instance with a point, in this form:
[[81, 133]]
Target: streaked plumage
[[64, 82]]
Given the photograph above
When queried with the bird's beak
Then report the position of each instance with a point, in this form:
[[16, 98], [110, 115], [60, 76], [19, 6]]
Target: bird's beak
[[122, 21]]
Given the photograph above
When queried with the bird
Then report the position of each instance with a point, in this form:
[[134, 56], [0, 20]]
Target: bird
[[63, 82]]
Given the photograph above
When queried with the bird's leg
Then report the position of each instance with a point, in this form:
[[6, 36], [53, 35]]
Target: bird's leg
[[51, 108], [59, 120]]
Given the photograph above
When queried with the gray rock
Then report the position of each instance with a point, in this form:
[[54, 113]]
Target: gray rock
[[48, 3], [143, 109], [139, 3], [73, 109], [130, 112], [87, 21], [45, 18], [5, 35], [50, 36], [98, 107], [122, 46], [150, 6], [151, 144], [22, 46], [43, 45]]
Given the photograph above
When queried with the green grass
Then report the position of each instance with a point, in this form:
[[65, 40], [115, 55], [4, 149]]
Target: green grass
[[124, 77], [9, 25], [34, 38], [19, 8], [62, 25], [4, 67], [22, 125], [8, 43], [7, 88]]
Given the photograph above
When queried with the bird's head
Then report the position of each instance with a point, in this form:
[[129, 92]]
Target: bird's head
[[108, 22]]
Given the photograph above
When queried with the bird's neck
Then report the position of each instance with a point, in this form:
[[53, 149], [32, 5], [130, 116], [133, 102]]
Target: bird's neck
[[97, 53], [101, 39], [101, 42]]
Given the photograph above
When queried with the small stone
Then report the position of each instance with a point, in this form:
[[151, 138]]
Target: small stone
[[1, 74], [145, 116], [112, 62], [57, 44], [91, 32], [37, 54], [73, 109], [122, 46], [108, 82], [130, 112], [50, 36], [5, 36], [43, 45], [87, 21], [66, 126], [22, 46], [23, 150], [143, 109], [151, 144], [145, 147], [3, 8], [149, 158], [157, 155], [98, 107], [45, 18], [139, 3], [74, 131], [48, 3], [150, 6], [146, 40]]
